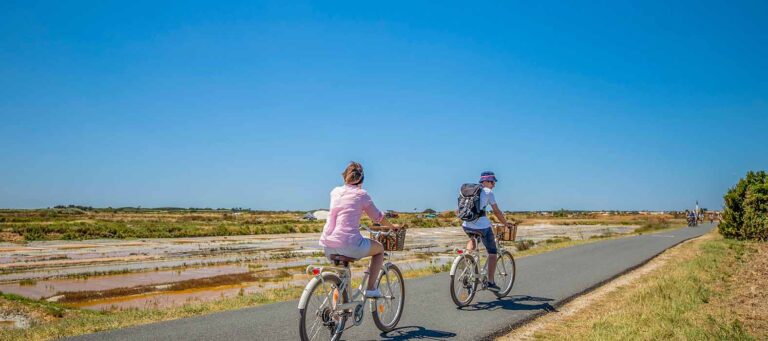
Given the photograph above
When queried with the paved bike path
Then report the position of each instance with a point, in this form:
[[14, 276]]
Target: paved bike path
[[543, 281]]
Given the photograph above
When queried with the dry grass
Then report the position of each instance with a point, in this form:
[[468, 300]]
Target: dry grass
[[77, 224], [746, 295], [78, 322], [37, 311], [707, 289], [426, 271], [589, 300], [592, 219]]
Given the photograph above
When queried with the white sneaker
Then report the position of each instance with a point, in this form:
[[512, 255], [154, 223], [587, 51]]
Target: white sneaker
[[373, 294]]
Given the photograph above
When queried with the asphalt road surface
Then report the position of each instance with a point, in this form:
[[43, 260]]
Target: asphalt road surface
[[543, 282]]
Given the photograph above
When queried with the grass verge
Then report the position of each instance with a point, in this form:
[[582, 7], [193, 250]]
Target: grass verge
[[705, 290], [80, 321]]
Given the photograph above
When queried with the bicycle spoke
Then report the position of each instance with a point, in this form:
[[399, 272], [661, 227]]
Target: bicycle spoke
[[464, 272], [464, 282], [503, 267], [395, 293], [505, 274], [390, 293], [387, 301], [318, 323], [388, 308], [315, 329], [321, 300]]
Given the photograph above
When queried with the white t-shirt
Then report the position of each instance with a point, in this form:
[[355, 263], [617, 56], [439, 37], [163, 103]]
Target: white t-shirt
[[486, 200]]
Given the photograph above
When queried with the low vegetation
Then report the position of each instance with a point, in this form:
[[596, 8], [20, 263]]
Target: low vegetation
[[525, 244], [653, 224], [77, 321], [706, 291], [82, 222]]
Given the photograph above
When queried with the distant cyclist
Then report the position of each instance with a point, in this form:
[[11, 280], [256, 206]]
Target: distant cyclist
[[341, 234], [482, 225], [691, 218]]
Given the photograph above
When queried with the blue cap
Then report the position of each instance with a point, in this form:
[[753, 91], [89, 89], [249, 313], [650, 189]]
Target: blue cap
[[487, 176]]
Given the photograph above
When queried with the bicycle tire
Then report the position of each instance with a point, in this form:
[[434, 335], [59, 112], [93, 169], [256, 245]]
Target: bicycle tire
[[380, 307], [505, 265], [333, 281], [471, 287]]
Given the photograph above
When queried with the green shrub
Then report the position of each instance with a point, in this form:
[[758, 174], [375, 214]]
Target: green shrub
[[746, 208], [524, 244], [221, 230]]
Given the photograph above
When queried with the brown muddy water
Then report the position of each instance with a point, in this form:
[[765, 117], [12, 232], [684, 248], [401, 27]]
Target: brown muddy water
[[111, 274]]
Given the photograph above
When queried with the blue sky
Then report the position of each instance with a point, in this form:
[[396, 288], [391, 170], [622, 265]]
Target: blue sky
[[594, 105]]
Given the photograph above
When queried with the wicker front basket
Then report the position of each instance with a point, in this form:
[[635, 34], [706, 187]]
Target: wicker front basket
[[505, 233], [395, 242]]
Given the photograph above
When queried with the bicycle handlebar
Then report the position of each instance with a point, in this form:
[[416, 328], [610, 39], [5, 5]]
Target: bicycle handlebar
[[376, 234]]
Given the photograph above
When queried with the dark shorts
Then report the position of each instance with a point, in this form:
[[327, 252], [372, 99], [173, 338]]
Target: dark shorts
[[487, 237]]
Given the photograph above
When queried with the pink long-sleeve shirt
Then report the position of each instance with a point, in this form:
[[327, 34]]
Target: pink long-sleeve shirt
[[348, 203]]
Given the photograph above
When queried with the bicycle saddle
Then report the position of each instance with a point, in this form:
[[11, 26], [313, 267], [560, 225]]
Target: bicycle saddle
[[342, 258], [476, 234]]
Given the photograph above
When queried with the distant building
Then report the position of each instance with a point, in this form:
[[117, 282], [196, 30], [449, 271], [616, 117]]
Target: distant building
[[320, 214]]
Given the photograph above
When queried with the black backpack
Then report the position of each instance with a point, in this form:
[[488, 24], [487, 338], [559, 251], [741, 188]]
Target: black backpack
[[469, 202]]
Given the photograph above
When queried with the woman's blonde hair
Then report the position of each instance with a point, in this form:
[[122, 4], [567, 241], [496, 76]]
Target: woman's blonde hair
[[353, 174]]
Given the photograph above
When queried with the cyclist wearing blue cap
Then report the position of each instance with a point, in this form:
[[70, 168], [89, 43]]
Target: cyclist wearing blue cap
[[483, 225]]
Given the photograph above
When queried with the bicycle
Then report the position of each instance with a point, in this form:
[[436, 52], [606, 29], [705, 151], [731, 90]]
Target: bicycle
[[692, 222], [466, 276], [326, 303]]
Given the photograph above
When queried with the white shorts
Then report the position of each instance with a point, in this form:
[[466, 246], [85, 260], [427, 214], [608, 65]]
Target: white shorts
[[358, 251]]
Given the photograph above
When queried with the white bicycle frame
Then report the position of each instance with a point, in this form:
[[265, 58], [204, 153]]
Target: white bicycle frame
[[476, 257], [345, 274]]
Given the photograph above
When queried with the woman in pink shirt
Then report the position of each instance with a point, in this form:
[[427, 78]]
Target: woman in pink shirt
[[341, 234]]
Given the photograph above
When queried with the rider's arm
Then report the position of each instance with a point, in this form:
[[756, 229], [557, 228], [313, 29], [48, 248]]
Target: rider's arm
[[385, 222], [499, 215], [375, 214], [370, 209]]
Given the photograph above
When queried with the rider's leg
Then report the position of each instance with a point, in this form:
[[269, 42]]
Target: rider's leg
[[377, 253], [490, 245], [491, 267], [471, 244]]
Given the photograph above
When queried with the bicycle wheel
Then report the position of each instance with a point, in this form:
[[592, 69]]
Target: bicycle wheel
[[463, 283], [388, 310], [316, 318], [505, 273]]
